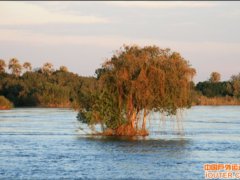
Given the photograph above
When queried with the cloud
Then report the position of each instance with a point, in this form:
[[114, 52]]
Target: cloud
[[113, 42], [22, 13], [22, 36], [199, 53], [161, 4]]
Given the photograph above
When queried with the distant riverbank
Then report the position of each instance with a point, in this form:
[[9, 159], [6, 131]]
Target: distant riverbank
[[5, 104], [216, 101]]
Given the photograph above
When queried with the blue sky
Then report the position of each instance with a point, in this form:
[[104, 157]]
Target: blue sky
[[82, 35]]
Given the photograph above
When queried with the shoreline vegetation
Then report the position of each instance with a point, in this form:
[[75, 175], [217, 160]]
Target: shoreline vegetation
[[5, 104], [132, 83], [216, 101], [202, 101]]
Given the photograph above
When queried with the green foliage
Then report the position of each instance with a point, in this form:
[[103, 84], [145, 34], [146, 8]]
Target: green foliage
[[103, 111], [217, 89], [58, 89]]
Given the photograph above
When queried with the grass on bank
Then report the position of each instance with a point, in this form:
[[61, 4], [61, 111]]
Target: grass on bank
[[216, 101]]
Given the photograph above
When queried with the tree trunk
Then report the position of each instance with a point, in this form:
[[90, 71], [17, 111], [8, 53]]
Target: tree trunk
[[137, 119], [144, 119], [133, 119]]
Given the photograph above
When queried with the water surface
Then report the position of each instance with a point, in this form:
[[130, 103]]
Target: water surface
[[41, 143]]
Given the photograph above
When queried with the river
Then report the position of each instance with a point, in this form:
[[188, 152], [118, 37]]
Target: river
[[41, 143]]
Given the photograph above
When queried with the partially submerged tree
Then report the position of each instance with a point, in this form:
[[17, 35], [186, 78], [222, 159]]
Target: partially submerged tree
[[135, 82]]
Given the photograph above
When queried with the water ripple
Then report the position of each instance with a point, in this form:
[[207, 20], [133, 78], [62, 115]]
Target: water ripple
[[41, 143]]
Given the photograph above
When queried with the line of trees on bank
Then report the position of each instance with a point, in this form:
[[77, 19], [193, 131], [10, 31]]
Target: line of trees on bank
[[217, 92], [49, 87], [42, 86]]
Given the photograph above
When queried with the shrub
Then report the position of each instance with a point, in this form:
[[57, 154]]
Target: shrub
[[5, 103]]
